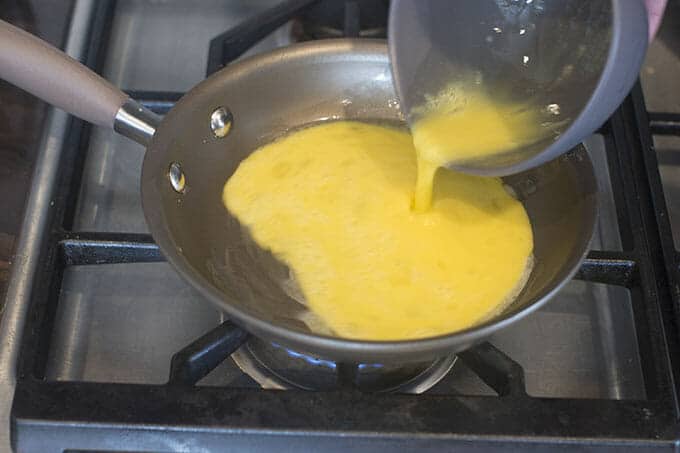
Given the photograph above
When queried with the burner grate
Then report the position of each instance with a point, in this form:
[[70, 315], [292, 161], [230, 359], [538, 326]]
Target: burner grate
[[664, 123]]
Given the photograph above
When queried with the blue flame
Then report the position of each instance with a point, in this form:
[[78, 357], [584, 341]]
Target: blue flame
[[326, 363]]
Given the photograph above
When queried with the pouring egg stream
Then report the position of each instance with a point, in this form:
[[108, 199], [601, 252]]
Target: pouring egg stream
[[335, 202], [462, 123]]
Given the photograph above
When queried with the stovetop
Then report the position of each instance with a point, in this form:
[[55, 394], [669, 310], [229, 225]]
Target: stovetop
[[99, 317]]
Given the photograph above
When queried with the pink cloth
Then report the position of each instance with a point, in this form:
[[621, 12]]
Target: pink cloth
[[655, 10]]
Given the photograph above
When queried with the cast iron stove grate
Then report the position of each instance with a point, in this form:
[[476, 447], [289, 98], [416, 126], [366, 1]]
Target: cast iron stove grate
[[54, 416]]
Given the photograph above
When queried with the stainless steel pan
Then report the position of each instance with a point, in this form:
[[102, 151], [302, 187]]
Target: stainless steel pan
[[198, 145]]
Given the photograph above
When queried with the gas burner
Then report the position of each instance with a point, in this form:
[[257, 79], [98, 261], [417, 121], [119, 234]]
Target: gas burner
[[337, 19], [276, 367]]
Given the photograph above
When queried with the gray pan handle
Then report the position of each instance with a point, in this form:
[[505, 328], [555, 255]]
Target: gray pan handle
[[56, 78]]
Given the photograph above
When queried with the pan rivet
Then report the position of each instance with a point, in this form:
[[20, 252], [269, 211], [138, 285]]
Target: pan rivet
[[177, 179], [221, 121]]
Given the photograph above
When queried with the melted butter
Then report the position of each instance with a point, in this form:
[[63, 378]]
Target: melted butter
[[333, 202], [462, 124]]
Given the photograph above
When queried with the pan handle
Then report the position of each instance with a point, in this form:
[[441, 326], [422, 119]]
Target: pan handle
[[46, 72]]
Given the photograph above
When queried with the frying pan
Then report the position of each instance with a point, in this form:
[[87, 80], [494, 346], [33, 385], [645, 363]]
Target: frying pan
[[201, 141]]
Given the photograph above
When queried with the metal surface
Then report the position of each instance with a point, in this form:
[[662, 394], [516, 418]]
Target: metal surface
[[349, 19], [109, 202], [275, 367], [217, 257], [598, 355], [236, 41], [221, 121], [300, 85], [330, 421], [123, 323], [198, 249], [194, 362], [176, 176], [175, 33], [650, 180], [96, 248], [36, 218], [136, 122], [92, 416], [163, 45]]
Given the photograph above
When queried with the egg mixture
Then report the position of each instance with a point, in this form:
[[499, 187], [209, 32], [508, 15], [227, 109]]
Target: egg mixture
[[335, 203], [462, 123]]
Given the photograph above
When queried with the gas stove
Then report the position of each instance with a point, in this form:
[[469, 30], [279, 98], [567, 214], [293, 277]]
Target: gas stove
[[105, 348]]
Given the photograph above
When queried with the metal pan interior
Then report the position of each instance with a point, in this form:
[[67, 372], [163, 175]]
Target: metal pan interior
[[272, 94]]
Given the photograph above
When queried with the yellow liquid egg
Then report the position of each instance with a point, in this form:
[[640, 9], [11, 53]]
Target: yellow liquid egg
[[461, 124], [334, 202]]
